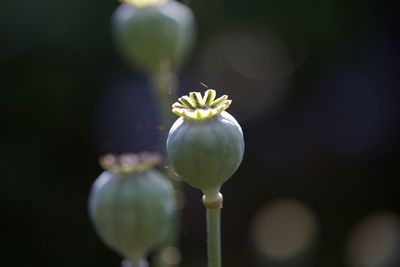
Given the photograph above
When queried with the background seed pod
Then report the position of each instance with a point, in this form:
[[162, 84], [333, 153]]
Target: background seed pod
[[156, 36], [131, 211], [206, 153]]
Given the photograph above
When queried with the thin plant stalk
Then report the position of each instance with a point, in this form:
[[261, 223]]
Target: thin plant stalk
[[127, 263], [214, 236], [164, 84]]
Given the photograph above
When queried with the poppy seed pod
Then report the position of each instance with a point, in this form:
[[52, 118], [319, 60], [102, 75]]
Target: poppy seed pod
[[131, 204], [154, 34], [205, 145]]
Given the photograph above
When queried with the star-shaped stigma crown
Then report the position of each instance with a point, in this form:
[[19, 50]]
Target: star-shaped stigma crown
[[144, 3], [197, 107], [130, 162]]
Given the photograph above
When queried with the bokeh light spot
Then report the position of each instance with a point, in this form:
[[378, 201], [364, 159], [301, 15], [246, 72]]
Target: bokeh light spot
[[284, 229], [171, 255], [375, 241]]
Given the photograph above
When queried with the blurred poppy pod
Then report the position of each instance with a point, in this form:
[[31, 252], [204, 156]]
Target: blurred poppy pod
[[131, 204], [205, 145], [154, 34]]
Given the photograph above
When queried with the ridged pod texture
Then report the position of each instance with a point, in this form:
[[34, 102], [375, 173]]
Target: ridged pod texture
[[206, 153], [131, 211], [154, 36]]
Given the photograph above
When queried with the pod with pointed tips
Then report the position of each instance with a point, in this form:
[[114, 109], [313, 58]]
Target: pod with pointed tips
[[131, 210], [205, 145]]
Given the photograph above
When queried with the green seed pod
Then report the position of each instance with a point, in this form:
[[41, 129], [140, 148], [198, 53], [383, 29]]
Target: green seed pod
[[131, 205], [205, 145], [154, 34]]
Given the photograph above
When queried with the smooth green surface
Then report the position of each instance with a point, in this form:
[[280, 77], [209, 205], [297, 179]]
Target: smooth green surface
[[214, 237], [206, 153], [156, 36], [131, 212]]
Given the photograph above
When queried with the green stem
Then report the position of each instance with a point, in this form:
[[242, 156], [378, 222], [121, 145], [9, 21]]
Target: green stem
[[214, 236], [164, 84], [141, 263]]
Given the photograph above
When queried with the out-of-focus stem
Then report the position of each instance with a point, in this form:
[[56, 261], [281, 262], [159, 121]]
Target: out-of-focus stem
[[141, 263], [164, 85]]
